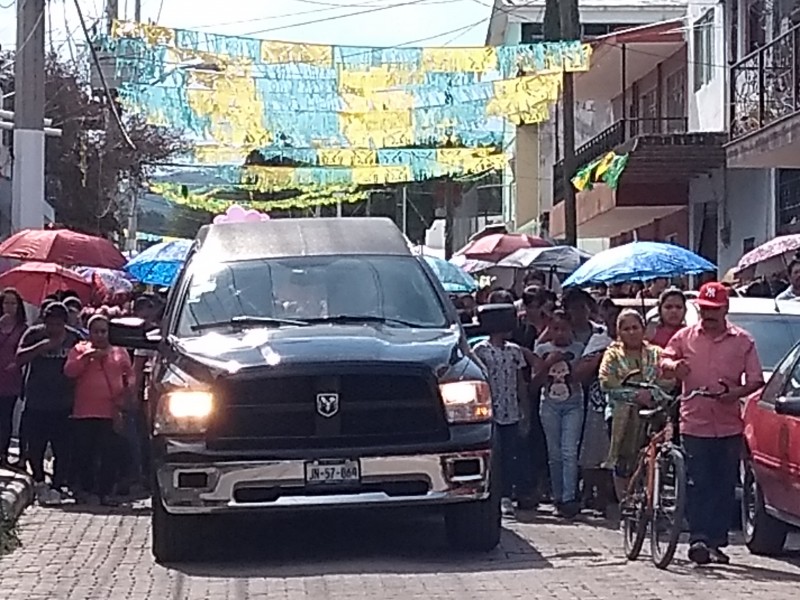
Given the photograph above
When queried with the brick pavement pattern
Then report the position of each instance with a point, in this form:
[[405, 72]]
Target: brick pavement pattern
[[72, 555]]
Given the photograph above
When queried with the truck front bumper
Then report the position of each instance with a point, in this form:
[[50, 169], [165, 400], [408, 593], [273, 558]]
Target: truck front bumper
[[404, 480]]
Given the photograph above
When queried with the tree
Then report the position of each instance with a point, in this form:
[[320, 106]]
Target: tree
[[90, 170], [180, 221]]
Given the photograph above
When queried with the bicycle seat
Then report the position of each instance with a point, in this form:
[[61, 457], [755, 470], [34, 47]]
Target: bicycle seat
[[649, 413]]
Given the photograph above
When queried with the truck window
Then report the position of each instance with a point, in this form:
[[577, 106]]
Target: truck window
[[388, 287]]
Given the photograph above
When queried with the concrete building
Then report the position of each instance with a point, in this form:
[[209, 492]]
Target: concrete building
[[528, 181], [6, 165], [707, 106], [667, 119], [761, 41]]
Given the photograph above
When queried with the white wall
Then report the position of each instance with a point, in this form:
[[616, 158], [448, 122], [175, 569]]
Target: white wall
[[600, 11], [745, 204], [707, 105], [750, 211]]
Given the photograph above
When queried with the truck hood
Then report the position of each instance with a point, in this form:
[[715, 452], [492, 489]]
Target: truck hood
[[323, 343]]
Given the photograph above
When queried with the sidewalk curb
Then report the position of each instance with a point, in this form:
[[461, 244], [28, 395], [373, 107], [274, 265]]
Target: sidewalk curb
[[16, 493]]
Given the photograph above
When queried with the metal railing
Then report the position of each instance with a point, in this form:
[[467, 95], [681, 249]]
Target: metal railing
[[611, 137], [765, 85]]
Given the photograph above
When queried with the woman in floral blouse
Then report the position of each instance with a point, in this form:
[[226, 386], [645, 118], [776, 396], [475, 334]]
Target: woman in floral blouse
[[630, 353]]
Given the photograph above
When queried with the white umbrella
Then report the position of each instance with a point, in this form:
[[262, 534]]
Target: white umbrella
[[564, 259], [471, 265]]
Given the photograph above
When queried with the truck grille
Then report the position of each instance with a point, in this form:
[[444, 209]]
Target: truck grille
[[371, 408]]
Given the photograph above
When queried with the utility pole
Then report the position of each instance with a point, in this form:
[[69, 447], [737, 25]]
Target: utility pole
[[405, 209], [112, 13], [563, 16], [137, 11], [27, 203], [133, 217], [449, 209]]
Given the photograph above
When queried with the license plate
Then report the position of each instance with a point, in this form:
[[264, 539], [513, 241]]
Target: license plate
[[333, 471]]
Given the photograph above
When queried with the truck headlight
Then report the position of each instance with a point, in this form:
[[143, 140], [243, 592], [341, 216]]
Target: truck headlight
[[183, 411], [467, 401]]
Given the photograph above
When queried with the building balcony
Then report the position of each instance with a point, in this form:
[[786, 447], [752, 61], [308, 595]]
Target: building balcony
[[612, 138], [662, 159], [765, 106]]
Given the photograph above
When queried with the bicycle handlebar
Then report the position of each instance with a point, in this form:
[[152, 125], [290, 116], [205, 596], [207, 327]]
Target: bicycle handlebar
[[704, 391]]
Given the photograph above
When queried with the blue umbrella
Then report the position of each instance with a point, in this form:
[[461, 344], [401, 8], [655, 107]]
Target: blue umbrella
[[159, 264], [454, 280], [639, 261]]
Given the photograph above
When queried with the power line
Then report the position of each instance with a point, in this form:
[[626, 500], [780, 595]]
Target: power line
[[336, 4], [458, 36], [367, 49], [330, 7], [69, 34], [337, 17], [627, 47], [19, 48], [96, 61]]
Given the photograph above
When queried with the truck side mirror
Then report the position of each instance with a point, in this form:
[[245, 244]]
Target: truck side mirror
[[132, 332], [497, 318]]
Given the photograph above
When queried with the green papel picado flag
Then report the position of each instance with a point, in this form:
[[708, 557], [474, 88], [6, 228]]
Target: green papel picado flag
[[606, 169]]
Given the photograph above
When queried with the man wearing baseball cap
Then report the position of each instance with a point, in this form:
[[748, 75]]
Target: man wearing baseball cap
[[702, 356]]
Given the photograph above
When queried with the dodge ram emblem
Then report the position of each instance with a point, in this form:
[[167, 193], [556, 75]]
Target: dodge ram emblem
[[328, 404]]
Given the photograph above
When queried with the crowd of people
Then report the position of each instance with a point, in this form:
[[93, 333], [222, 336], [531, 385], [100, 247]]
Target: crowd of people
[[82, 398], [569, 429]]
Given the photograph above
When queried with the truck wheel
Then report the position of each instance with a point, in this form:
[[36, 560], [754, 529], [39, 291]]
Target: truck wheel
[[173, 535], [475, 526], [763, 534]]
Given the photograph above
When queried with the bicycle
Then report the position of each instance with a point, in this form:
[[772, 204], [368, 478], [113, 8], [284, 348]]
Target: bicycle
[[659, 467]]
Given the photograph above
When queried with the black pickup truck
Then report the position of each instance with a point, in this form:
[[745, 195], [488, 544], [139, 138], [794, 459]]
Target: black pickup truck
[[314, 364]]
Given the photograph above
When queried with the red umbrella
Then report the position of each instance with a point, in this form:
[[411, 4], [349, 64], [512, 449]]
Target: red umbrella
[[496, 246], [35, 281], [63, 247]]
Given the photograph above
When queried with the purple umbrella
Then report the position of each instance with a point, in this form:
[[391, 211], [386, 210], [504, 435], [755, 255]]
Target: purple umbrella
[[770, 257]]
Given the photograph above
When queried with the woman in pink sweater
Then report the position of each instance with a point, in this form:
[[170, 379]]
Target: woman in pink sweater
[[103, 377]]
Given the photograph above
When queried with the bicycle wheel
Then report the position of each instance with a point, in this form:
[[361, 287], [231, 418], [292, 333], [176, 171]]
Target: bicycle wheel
[[634, 513], [668, 506]]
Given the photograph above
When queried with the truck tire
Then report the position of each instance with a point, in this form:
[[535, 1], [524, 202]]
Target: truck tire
[[173, 535], [475, 526]]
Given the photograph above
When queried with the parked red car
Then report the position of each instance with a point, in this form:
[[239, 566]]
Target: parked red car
[[771, 465]]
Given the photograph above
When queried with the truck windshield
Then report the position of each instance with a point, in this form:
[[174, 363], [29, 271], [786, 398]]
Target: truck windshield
[[293, 291]]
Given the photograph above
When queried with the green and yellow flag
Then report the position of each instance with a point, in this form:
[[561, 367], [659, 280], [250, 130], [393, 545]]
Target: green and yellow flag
[[606, 169]]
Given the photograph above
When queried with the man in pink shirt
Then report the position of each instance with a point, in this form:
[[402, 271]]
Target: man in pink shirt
[[703, 356]]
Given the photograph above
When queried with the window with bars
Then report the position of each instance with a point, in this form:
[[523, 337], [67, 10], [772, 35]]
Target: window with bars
[[675, 101], [648, 112], [532, 33], [733, 31], [788, 209], [704, 55]]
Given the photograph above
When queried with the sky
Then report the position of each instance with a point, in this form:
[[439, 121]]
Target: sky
[[380, 22]]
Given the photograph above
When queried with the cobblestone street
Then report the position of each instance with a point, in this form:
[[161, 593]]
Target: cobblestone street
[[80, 556]]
